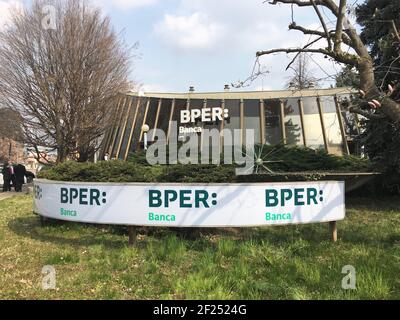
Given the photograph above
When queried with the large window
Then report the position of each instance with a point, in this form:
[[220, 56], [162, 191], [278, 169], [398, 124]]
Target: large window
[[180, 104], [252, 119], [138, 124], [213, 103], [233, 121], [273, 130], [119, 125], [351, 120], [312, 124], [165, 112], [292, 120], [332, 125], [128, 129], [195, 104], [152, 113], [214, 144]]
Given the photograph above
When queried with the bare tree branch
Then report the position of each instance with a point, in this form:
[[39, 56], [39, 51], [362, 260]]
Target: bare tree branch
[[297, 55], [367, 114], [339, 26], [63, 81], [396, 33], [328, 38], [361, 59], [331, 5], [345, 38]]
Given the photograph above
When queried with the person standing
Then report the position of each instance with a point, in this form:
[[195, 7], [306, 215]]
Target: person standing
[[12, 177], [19, 171], [6, 177]]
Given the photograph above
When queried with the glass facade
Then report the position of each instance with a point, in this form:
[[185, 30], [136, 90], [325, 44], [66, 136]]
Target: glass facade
[[140, 112], [118, 134], [215, 147], [152, 113], [293, 123], [233, 121], [180, 104], [315, 120], [128, 127], [332, 127], [252, 118], [273, 123], [312, 124], [164, 115]]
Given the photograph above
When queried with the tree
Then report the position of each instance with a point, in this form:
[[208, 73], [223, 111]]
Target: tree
[[380, 21], [302, 77], [10, 125], [381, 104], [62, 67], [10, 133], [348, 77]]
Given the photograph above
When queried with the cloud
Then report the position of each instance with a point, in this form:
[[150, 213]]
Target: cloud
[[194, 31], [6, 9], [228, 33], [154, 87], [124, 4]]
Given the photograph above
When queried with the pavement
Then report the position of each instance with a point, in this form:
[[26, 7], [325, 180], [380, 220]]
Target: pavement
[[6, 195], [26, 189]]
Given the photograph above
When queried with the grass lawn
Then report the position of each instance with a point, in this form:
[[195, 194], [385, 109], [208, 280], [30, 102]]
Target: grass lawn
[[293, 262]]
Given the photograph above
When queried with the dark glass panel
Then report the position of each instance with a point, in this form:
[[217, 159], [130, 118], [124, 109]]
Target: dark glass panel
[[129, 124], [120, 125], [252, 119], [273, 131], [233, 106], [213, 103], [152, 113], [214, 146], [165, 112], [138, 124], [180, 104]]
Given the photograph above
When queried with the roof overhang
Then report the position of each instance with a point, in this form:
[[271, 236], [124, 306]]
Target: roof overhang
[[279, 94]]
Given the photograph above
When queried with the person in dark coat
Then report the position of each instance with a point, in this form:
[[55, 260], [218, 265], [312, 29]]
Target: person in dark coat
[[19, 172], [29, 176], [6, 177]]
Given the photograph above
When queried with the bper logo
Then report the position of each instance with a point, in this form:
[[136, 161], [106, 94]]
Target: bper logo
[[83, 196], [204, 115], [185, 198], [297, 196], [38, 192]]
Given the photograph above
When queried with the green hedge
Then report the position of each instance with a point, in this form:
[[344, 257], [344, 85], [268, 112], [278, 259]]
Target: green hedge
[[297, 159], [136, 168]]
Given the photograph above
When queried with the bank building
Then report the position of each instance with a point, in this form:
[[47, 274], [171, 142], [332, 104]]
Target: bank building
[[314, 118]]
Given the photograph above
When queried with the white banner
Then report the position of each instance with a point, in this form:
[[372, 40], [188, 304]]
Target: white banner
[[191, 205]]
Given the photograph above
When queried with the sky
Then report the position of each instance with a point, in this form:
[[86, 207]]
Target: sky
[[208, 43]]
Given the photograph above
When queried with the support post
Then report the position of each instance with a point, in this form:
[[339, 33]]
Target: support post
[[333, 230], [132, 235]]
